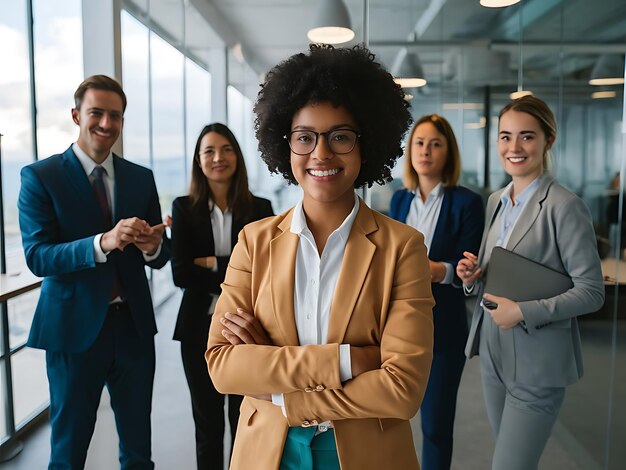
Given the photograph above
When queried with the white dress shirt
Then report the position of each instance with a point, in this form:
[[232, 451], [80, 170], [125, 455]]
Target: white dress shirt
[[222, 227], [509, 212], [109, 181], [423, 216], [314, 287]]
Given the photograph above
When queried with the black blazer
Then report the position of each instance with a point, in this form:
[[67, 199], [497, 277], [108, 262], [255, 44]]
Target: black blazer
[[192, 237]]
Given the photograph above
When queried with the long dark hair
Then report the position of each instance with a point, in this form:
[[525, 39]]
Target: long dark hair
[[238, 197]]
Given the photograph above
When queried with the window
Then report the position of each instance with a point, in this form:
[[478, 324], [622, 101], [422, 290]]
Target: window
[[135, 69], [198, 108], [58, 71], [16, 128]]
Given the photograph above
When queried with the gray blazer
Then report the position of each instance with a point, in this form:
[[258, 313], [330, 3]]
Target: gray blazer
[[555, 230]]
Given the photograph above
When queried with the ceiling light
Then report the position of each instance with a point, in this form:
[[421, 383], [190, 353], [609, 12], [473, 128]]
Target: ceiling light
[[498, 3], [609, 70], [482, 122], [603, 94], [332, 23], [411, 74], [467, 106], [519, 93]]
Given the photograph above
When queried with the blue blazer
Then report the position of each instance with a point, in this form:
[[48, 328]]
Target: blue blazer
[[459, 228], [59, 218]]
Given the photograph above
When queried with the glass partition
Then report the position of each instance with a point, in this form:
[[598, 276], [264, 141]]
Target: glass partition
[[474, 58]]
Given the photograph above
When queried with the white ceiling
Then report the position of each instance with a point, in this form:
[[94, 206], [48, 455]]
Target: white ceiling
[[455, 39]]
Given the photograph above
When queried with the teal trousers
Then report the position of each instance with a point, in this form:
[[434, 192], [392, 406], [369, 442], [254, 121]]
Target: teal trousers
[[306, 451]]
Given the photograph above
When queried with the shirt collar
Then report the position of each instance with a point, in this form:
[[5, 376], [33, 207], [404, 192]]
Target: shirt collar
[[212, 208], [435, 193], [88, 164], [298, 220], [522, 197]]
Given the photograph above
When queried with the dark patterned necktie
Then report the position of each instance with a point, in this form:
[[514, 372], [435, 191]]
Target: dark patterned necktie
[[101, 194], [103, 201]]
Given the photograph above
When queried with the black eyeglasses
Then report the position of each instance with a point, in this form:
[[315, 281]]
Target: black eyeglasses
[[340, 141]]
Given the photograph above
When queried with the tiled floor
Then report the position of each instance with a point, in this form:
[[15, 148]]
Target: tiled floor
[[173, 441]]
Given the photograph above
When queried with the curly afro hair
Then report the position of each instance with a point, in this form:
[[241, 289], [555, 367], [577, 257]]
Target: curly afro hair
[[347, 77]]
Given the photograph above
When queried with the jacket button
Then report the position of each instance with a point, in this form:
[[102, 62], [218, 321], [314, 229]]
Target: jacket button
[[319, 388], [308, 389]]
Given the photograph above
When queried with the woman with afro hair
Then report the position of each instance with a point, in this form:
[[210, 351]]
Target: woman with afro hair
[[325, 323]]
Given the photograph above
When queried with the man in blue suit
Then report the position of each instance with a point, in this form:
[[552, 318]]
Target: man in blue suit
[[90, 223]]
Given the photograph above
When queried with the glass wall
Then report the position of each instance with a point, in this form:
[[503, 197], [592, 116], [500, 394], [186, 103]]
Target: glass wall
[[167, 105], [57, 61], [536, 46], [169, 102], [197, 109], [16, 124]]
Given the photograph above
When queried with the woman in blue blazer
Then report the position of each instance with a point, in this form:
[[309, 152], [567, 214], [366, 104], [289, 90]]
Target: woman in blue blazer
[[451, 218], [205, 225]]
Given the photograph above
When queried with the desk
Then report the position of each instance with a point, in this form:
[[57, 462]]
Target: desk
[[612, 267], [12, 285]]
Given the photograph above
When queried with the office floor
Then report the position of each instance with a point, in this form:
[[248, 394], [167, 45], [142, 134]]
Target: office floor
[[173, 432]]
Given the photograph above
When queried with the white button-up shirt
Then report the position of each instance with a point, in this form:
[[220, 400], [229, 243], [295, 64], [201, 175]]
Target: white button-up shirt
[[109, 181], [423, 216], [314, 287], [222, 226], [509, 213]]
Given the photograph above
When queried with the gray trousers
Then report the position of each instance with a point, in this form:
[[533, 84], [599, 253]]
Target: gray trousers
[[521, 416]]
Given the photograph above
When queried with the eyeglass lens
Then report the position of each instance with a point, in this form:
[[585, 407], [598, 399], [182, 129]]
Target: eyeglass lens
[[340, 141]]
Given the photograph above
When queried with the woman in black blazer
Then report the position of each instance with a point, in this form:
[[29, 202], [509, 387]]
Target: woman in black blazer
[[205, 225]]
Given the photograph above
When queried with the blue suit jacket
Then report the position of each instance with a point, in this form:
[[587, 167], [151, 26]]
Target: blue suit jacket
[[459, 228], [59, 218]]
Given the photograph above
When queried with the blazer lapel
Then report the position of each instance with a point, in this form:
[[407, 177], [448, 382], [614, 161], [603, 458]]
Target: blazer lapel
[[121, 190], [354, 268], [405, 205], [529, 214], [282, 277], [493, 206], [80, 182], [438, 236]]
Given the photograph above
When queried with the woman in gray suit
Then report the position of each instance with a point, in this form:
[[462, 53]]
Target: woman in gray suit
[[530, 351]]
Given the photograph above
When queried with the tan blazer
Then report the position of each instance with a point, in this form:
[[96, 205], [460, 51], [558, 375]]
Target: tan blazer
[[383, 297]]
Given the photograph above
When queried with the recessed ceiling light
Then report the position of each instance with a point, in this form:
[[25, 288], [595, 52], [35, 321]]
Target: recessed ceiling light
[[518, 94], [603, 94], [498, 3], [410, 82]]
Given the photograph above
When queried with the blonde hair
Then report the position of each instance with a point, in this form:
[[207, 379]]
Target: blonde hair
[[452, 168]]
